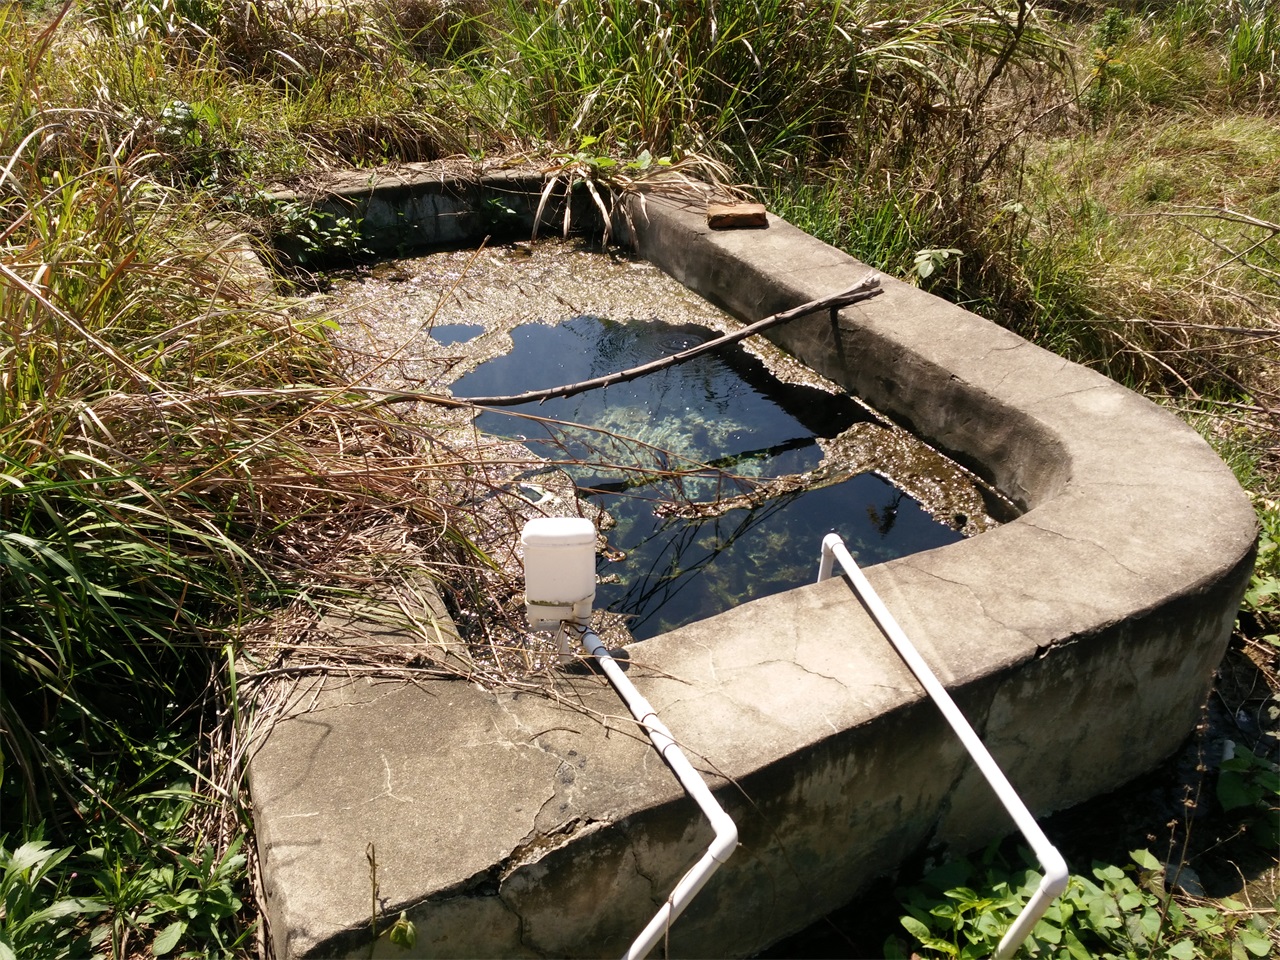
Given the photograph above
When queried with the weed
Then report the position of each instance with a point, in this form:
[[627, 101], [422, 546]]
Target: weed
[[157, 453], [1250, 784], [1253, 52], [883, 230], [931, 260], [758, 84], [312, 236], [1100, 90], [1262, 599], [963, 909], [160, 434], [40, 919], [402, 932]]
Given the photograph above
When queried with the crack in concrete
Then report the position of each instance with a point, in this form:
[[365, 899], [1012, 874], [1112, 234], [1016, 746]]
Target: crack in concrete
[[520, 727], [711, 662], [1087, 542], [533, 830], [968, 588], [1095, 388], [1042, 649], [387, 793], [537, 844], [821, 675], [522, 928], [387, 789], [635, 865]]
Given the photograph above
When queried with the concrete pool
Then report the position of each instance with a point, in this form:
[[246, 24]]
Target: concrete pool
[[710, 480], [1079, 638]]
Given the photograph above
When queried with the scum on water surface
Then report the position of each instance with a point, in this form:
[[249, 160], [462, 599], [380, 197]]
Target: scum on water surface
[[496, 320]]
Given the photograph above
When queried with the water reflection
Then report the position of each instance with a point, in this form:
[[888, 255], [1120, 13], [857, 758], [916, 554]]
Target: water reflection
[[722, 409]]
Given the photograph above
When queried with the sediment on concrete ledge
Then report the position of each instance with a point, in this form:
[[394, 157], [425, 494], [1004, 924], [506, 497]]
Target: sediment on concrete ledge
[[1079, 639]]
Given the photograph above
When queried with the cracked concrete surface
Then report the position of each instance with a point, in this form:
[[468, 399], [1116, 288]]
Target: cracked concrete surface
[[1079, 639]]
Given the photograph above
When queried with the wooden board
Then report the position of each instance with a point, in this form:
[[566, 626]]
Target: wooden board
[[731, 216]]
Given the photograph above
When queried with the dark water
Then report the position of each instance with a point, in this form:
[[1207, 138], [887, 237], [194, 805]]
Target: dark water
[[447, 334], [724, 409]]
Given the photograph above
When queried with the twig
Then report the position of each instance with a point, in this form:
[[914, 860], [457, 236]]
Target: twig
[[866, 288], [1215, 213], [1259, 332], [372, 856]]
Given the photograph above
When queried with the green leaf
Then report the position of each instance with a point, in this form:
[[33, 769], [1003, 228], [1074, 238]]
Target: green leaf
[[915, 928], [942, 946], [1149, 924], [168, 938], [1049, 935], [1109, 872], [1267, 588], [403, 933], [1075, 948], [1204, 916], [991, 924], [1146, 859], [1183, 950], [29, 854], [1130, 901], [1234, 791], [66, 908], [1256, 943]]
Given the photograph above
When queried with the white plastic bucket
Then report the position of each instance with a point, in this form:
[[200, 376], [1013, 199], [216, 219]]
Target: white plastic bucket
[[559, 569]]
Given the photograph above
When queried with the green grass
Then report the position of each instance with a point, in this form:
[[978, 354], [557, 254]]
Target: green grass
[[162, 424], [963, 909], [885, 232], [1109, 182]]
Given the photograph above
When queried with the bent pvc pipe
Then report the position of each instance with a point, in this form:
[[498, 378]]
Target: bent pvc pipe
[[726, 831], [1055, 876]]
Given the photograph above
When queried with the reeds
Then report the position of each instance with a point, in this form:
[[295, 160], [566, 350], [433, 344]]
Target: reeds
[[762, 84], [180, 460]]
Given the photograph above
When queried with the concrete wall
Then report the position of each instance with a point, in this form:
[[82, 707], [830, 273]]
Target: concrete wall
[[408, 208], [1079, 639]]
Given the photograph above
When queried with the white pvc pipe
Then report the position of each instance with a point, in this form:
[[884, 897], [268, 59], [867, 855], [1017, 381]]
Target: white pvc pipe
[[1055, 868], [726, 832]]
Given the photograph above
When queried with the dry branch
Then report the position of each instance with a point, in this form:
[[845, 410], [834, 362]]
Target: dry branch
[[864, 289]]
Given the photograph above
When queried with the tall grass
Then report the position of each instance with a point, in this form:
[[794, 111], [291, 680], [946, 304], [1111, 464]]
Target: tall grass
[[116, 324], [178, 455], [883, 229], [764, 84], [177, 458]]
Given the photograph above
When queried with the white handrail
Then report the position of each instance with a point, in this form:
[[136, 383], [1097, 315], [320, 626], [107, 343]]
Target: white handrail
[[1055, 868], [726, 832]]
